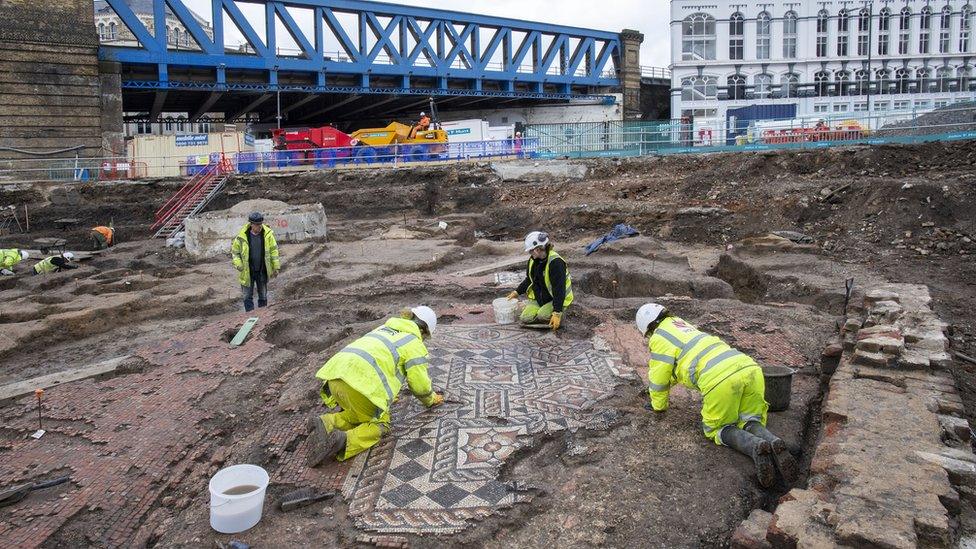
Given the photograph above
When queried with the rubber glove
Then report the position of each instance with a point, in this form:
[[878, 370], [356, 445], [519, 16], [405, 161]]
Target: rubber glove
[[437, 400], [554, 320], [512, 295]]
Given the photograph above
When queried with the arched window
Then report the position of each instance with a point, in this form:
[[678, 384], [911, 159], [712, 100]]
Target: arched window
[[925, 27], [789, 35], [736, 86], [113, 31], [862, 80], [762, 35], [904, 30], [698, 37], [842, 79], [699, 88], [169, 123], [842, 36], [966, 80], [789, 83], [945, 26], [101, 31], [181, 124], [924, 79], [943, 79], [169, 35], [736, 36], [763, 84], [902, 79], [965, 26], [822, 18], [863, 28], [884, 31], [822, 82], [883, 76]]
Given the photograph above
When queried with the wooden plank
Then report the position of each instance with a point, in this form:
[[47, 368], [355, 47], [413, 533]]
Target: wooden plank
[[497, 266], [16, 390], [242, 333]]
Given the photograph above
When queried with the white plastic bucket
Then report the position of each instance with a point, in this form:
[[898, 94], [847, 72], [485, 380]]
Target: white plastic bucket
[[504, 310], [230, 514]]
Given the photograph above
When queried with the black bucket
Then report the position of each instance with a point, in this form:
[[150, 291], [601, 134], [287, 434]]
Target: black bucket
[[779, 382]]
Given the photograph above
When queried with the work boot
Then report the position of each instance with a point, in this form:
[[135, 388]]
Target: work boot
[[322, 444], [756, 448], [785, 462]]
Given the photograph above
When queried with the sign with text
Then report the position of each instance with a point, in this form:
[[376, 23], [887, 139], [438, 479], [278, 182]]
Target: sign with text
[[192, 140]]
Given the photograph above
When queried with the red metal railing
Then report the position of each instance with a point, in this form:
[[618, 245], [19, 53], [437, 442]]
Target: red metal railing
[[188, 191]]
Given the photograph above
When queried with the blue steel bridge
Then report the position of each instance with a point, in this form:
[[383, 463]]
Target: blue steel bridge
[[347, 60]]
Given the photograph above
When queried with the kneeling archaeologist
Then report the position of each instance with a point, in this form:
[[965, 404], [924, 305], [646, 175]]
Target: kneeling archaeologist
[[731, 383], [102, 237], [547, 283], [55, 264], [364, 378], [9, 258]]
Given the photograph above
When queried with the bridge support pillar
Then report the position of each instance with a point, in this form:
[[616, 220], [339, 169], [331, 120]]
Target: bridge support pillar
[[630, 72], [110, 86]]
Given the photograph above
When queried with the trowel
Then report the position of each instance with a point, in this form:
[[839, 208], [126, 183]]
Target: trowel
[[12, 495]]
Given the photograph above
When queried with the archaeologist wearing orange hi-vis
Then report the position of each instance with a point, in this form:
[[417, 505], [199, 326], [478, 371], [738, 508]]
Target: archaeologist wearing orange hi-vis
[[547, 283], [731, 383], [364, 378], [102, 237]]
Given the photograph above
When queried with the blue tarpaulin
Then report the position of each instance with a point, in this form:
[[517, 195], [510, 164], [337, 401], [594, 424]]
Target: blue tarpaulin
[[621, 230]]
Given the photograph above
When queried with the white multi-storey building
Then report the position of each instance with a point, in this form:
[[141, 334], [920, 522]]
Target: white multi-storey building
[[821, 56]]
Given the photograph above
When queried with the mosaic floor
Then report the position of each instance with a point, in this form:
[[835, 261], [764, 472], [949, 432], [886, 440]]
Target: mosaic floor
[[501, 384]]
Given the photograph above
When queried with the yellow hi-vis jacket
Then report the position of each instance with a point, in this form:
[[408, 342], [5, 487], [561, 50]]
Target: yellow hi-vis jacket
[[680, 353], [376, 365], [569, 280], [239, 252], [9, 258]]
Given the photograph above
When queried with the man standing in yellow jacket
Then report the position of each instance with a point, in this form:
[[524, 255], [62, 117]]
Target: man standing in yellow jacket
[[364, 379], [255, 255], [731, 383]]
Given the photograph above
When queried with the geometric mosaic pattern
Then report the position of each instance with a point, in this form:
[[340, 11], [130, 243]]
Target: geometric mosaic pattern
[[501, 384]]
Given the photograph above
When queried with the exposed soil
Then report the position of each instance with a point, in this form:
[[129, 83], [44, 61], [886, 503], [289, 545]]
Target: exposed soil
[[898, 213]]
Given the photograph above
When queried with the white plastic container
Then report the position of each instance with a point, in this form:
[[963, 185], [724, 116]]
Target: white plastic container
[[504, 310], [233, 513]]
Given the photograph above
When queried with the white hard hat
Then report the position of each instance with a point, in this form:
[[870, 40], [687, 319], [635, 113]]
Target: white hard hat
[[646, 314], [68, 255], [535, 239], [24, 254], [422, 113], [426, 314]]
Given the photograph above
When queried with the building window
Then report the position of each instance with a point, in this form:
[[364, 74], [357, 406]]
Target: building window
[[821, 82], [113, 31], [204, 127], [821, 108], [884, 81], [698, 37], [904, 30], [143, 128], [169, 124], [925, 27], [699, 88], [924, 80], [923, 104], [181, 125], [790, 82], [842, 21], [861, 82], [843, 80], [965, 25], [842, 45], [763, 85], [861, 107], [822, 19], [737, 86], [736, 35], [939, 103], [902, 80], [842, 36], [903, 105], [762, 36], [863, 27], [966, 81], [101, 31], [945, 26], [943, 79], [789, 35], [884, 28], [881, 106], [840, 107]]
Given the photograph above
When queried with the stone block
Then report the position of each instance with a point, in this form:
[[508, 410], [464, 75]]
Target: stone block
[[799, 521], [913, 360], [552, 169], [874, 296], [961, 473], [956, 427], [869, 358], [211, 233], [941, 360], [882, 344], [751, 533], [852, 324]]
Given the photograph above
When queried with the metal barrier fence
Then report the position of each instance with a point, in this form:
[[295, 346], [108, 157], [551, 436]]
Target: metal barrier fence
[[635, 138], [108, 169]]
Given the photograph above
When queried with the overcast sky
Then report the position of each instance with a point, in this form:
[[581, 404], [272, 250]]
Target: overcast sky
[[647, 16]]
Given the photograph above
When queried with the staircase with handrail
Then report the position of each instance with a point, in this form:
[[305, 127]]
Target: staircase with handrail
[[192, 198]]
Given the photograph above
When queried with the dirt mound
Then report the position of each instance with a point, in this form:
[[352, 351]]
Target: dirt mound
[[959, 117]]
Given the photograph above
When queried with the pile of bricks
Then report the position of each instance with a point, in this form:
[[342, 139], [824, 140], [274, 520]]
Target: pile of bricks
[[894, 456]]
